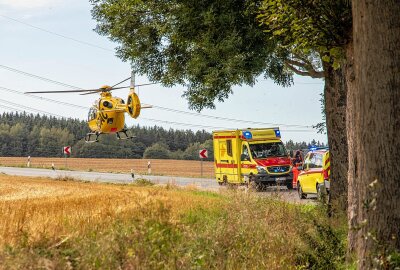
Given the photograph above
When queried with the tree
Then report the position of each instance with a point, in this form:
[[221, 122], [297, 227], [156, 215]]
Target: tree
[[317, 34], [374, 135], [157, 151]]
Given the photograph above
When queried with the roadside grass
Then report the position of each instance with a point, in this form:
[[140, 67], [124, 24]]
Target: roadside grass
[[141, 182], [75, 225]]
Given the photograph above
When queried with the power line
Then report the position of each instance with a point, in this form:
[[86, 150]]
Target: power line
[[154, 120], [209, 127], [154, 106], [38, 77], [227, 119], [43, 98], [29, 108], [56, 34], [81, 107]]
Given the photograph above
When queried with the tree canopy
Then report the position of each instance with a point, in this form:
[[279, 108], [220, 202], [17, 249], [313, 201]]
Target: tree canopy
[[207, 46]]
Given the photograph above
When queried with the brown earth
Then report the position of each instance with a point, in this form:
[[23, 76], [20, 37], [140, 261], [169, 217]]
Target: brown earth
[[185, 168]]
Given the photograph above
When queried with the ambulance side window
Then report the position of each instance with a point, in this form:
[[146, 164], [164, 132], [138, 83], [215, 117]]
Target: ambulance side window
[[229, 147], [316, 161], [307, 161], [245, 153]]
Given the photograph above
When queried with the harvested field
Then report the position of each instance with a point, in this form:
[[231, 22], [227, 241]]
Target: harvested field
[[186, 168]]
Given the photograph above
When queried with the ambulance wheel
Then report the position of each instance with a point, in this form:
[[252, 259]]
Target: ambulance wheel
[[224, 180], [301, 194]]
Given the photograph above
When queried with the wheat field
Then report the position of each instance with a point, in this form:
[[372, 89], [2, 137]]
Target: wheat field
[[186, 168], [66, 224], [58, 210]]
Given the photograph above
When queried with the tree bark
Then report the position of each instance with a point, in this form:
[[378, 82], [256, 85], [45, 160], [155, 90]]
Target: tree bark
[[375, 138], [335, 107], [352, 189]]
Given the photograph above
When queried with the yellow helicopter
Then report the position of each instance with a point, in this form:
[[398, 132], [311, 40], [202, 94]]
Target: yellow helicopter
[[107, 115]]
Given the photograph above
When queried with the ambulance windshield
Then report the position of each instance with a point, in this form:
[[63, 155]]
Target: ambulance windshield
[[266, 150]]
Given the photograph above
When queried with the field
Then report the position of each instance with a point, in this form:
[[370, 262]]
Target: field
[[187, 168], [64, 224]]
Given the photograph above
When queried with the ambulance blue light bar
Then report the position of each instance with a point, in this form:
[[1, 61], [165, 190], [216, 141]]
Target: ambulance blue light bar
[[315, 148], [247, 135], [277, 133]]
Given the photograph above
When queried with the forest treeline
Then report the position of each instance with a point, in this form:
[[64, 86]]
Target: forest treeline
[[23, 134]]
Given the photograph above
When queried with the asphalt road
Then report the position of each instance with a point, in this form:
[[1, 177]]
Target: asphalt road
[[202, 183]]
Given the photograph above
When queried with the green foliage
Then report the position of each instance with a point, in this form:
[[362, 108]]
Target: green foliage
[[307, 26], [141, 182], [207, 46], [157, 151]]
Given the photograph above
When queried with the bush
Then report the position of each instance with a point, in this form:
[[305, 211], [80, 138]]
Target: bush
[[157, 151]]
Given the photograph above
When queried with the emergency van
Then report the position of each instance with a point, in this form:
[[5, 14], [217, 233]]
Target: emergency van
[[252, 156]]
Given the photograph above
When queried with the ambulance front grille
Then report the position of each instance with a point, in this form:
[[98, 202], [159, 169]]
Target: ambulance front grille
[[278, 169]]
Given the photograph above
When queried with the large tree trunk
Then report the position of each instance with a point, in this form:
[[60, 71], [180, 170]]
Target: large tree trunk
[[375, 139], [335, 108]]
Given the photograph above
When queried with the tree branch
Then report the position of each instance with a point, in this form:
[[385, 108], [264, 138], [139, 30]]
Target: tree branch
[[309, 70]]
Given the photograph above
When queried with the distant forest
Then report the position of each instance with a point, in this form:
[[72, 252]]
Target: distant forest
[[23, 134]]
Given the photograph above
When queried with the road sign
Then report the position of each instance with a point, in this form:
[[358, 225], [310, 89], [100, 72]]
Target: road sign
[[67, 150], [203, 153]]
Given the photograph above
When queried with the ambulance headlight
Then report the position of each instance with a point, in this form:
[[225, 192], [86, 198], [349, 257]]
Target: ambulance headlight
[[261, 169]]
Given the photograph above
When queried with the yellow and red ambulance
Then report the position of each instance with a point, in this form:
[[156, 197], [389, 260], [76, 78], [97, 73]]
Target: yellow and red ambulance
[[314, 177], [252, 156]]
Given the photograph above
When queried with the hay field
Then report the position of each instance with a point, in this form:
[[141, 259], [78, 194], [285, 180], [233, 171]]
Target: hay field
[[185, 168]]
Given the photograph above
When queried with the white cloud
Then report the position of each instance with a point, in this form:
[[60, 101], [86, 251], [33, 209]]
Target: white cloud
[[28, 4]]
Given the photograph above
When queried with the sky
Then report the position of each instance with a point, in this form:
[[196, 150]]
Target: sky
[[46, 53]]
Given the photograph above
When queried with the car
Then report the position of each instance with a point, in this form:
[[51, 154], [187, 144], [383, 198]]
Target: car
[[314, 175]]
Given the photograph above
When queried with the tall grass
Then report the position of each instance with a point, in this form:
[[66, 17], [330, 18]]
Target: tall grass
[[94, 226]]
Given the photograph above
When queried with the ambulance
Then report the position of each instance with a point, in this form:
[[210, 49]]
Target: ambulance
[[252, 156]]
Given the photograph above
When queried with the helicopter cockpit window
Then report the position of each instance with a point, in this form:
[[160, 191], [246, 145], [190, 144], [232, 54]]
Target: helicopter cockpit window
[[92, 114], [108, 104]]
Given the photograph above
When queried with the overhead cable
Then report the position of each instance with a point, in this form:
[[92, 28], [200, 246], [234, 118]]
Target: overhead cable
[[43, 98], [56, 34], [29, 108], [38, 77], [226, 119]]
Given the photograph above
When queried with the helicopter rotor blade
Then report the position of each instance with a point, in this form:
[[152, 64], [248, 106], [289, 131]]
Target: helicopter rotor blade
[[77, 90], [86, 91]]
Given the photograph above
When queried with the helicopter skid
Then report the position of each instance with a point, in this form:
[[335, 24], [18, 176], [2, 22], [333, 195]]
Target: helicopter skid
[[125, 135], [88, 137]]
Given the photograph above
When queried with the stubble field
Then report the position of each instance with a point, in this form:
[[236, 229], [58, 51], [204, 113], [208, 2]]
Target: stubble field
[[185, 168]]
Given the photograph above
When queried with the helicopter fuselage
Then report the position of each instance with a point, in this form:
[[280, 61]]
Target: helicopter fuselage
[[107, 114]]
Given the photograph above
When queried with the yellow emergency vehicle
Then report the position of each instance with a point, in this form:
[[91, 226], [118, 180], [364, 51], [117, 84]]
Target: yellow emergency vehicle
[[252, 156], [314, 177]]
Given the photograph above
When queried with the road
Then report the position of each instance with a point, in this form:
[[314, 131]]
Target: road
[[202, 183]]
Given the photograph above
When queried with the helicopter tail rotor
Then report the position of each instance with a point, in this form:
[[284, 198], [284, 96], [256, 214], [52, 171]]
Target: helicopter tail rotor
[[133, 106]]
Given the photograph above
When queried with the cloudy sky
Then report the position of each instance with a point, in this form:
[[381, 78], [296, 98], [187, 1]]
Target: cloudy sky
[[31, 42]]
